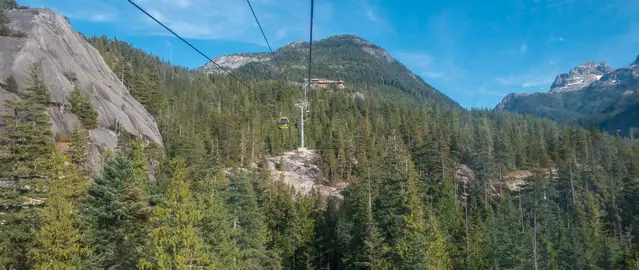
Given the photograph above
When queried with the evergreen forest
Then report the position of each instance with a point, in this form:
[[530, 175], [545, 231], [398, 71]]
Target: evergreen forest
[[203, 200]]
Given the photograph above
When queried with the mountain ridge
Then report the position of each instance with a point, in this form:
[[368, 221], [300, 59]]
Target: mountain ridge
[[590, 94], [350, 58]]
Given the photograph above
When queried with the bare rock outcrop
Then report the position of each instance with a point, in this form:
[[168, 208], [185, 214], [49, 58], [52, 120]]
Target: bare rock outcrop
[[297, 169], [67, 59]]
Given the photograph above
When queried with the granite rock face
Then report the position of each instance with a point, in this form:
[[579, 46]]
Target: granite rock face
[[66, 59]]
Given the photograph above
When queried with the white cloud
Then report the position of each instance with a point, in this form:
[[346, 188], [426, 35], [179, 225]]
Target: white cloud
[[281, 33], [374, 13], [204, 19], [158, 15], [554, 39], [99, 17], [527, 80], [489, 92], [523, 49], [560, 3], [183, 3], [433, 74], [369, 11], [430, 66]]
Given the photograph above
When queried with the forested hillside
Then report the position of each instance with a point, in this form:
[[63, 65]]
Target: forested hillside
[[342, 57], [406, 207]]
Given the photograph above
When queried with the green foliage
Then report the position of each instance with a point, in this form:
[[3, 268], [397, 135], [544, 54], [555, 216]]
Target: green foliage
[[57, 242], [24, 150], [408, 204], [78, 152], [429, 187], [82, 107], [116, 214], [175, 240], [37, 92], [12, 85], [9, 4], [5, 30], [4, 19]]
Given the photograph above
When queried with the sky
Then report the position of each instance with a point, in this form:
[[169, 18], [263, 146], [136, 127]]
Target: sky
[[475, 51]]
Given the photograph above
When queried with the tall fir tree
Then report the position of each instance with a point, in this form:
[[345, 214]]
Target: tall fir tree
[[116, 215], [82, 107], [58, 241], [26, 145], [176, 241]]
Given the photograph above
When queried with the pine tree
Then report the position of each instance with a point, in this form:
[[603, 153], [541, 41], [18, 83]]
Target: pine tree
[[37, 92], [116, 214], [217, 223], [139, 159], [248, 224], [9, 4], [82, 107], [366, 247], [12, 84], [78, 152], [4, 20], [175, 240], [26, 145], [57, 242], [421, 245]]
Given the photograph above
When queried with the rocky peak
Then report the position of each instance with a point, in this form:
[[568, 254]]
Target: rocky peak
[[507, 100], [636, 61], [235, 61], [580, 77]]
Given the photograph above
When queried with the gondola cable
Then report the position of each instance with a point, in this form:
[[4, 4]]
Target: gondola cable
[[260, 26], [190, 45], [310, 51]]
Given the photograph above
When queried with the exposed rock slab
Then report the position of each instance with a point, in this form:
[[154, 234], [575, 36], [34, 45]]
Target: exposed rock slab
[[67, 59], [297, 169]]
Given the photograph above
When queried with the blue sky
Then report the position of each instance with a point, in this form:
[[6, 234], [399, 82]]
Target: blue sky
[[475, 51]]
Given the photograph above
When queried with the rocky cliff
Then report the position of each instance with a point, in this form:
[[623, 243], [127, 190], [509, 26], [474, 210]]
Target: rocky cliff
[[66, 59], [580, 77]]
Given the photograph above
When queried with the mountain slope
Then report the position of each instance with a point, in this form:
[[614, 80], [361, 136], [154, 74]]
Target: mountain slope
[[66, 59], [590, 94], [342, 57]]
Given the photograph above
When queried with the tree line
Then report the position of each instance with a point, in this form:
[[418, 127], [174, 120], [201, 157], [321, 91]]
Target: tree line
[[196, 201]]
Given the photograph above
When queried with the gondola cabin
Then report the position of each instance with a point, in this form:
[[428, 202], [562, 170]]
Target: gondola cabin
[[284, 123]]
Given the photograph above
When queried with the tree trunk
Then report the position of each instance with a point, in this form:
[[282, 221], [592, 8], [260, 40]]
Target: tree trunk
[[466, 227], [521, 214], [572, 187], [242, 148], [534, 240]]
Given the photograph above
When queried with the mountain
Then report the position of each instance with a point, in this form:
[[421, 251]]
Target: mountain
[[590, 94], [342, 57], [580, 77], [383, 184], [66, 60]]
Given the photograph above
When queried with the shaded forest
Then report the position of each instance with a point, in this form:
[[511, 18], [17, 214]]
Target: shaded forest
[[210, 204]]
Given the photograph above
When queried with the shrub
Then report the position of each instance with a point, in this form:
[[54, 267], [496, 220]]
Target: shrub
[[18, 33], [5, 31], [12, 85], [62, 137], [71, 76]]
